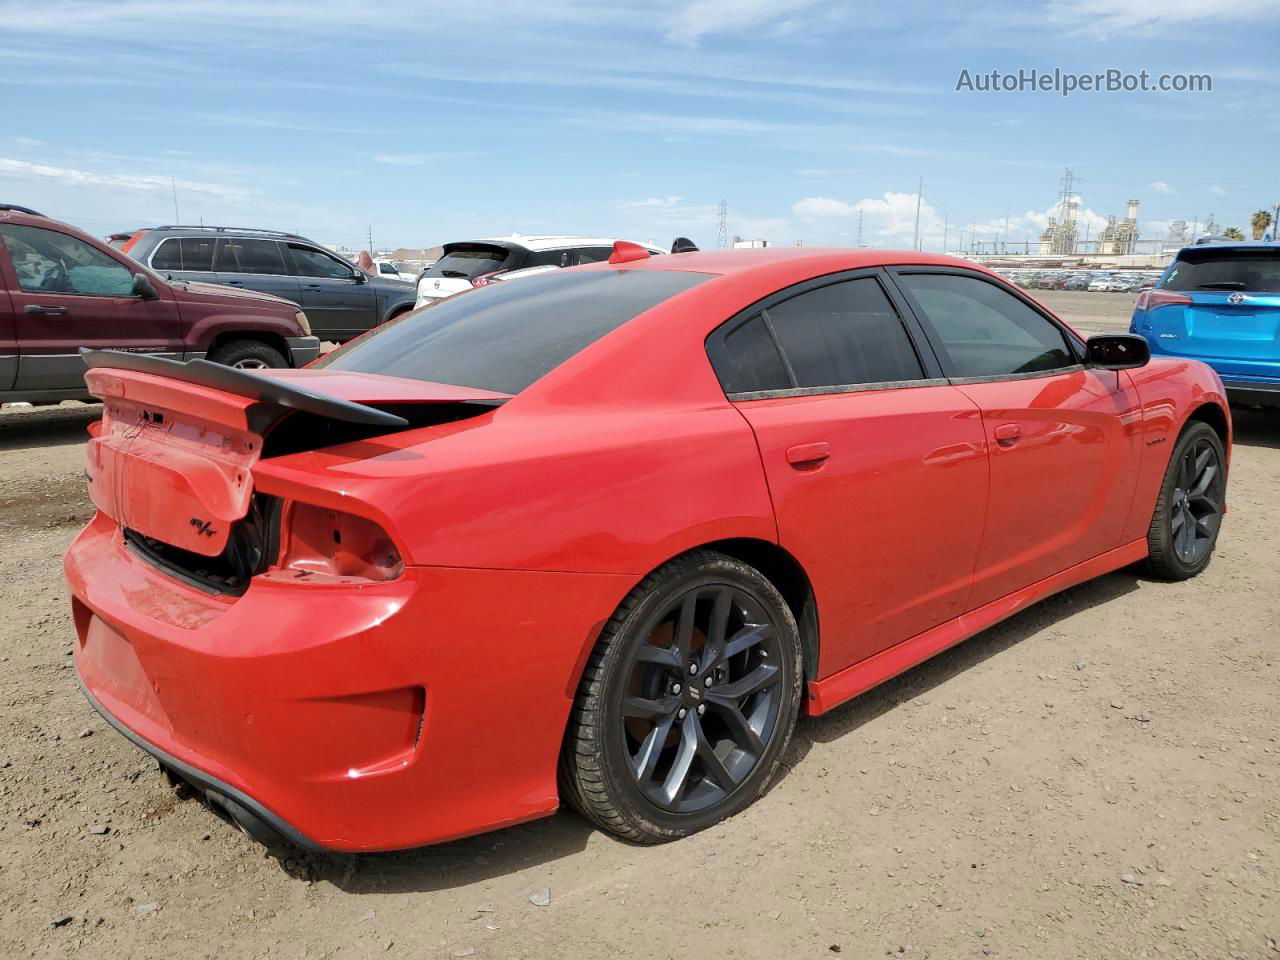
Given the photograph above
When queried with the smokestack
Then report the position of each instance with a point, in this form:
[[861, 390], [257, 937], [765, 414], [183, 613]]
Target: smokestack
[[1132, 215]]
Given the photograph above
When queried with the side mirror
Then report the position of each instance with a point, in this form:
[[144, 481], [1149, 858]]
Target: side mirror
[[1116, 351], [142, 288], [359, 277]]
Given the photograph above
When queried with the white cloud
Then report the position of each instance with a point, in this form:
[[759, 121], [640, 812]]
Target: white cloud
[[651, 202], [700, 18], [23, 170], [888, 220], [1159, 186], [1105, 17], [1217, 191], [27, 143]]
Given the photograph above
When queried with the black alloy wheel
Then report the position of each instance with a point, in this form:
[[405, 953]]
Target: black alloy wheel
[[1188, 517], [687, 702], [1196, 511], [703, 698]]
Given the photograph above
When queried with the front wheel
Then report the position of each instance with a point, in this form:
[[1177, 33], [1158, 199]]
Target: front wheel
[[687, 703], [1184, 528], [248, 355]]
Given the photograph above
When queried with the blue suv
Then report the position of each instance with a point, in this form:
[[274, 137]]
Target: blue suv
[[1220, 303]]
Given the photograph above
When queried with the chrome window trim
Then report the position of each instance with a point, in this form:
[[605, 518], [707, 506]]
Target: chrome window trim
[[838, 389], [1034, 375], [835, 390]]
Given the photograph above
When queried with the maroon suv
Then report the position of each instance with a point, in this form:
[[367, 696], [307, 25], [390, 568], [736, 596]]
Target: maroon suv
[[61, 290]]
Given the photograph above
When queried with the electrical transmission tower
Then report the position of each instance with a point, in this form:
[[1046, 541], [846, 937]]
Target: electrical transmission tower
[[859, 228], [722, 228]]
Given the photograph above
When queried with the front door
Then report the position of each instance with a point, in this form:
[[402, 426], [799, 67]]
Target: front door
[[67, 294], [8, 335], [877, 468], [337, 298], [1064, 440], [255, 265]]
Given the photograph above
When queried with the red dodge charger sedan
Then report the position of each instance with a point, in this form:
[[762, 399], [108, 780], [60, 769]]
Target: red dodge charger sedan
[[602, 534]]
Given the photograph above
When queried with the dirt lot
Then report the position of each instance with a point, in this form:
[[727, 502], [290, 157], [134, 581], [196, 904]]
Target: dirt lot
[[1097, 778]]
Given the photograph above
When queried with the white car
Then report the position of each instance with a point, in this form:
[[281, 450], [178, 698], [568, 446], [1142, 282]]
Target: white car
[[471, 263], [390, 271]]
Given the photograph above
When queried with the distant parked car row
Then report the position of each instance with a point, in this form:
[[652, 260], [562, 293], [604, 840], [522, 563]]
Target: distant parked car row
[[1109, 281]]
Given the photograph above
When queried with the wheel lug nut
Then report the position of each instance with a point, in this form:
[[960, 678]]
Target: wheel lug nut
[[680, 714], [702, 708], [693, 668], [676, 688], [706, 682]]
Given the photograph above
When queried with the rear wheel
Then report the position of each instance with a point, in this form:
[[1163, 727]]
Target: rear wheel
[[1184, 528], [248, 355], [687, 702]]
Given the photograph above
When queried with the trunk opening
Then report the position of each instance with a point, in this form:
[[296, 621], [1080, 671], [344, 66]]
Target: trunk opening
[[172, 463]]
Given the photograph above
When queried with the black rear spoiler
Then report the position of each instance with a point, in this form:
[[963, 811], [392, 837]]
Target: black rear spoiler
[[243, 383]]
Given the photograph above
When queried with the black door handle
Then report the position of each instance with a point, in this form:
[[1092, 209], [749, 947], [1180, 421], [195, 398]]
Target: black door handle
[[44, 311]]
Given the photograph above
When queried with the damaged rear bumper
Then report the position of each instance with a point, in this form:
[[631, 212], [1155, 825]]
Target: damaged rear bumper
[[348, 718]]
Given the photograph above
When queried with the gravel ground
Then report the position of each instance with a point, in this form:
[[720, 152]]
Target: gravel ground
[[1098, 777]]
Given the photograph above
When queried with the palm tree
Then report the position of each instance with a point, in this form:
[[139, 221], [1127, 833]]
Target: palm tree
[[1233, 233], [1260, 221]]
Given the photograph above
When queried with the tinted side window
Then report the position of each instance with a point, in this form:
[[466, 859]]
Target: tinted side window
[[250, 256], [311, 262], [187, 253], [594, 254], [50, 262], [985, 331], [844, 333], [746, 359], [549, 258]]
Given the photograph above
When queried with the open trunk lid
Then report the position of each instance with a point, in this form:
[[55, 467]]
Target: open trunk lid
[[174, 457]]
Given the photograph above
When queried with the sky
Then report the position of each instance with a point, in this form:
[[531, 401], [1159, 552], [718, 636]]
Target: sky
[[420, 123]]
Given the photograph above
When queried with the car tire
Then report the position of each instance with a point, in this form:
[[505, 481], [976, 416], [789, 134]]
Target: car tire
[[248, 355], [1188, 515], [709, 749]]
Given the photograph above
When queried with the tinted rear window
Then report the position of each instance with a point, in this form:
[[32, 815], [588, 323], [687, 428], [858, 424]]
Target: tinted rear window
[[505, 336], [1256, 271], [468, 260]]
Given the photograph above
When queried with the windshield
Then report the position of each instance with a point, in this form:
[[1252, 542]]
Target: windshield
[[505, 336], [465, 261], [1256, 271]]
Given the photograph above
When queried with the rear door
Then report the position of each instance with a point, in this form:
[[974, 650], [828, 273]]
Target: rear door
[[1064, 440], [185, 258], [256, 265], [1231, 316], [876, 465], [69, 294], [337, 298]]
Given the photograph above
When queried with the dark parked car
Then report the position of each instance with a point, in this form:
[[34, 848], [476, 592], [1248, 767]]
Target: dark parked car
[[341, 300], [61, 290]]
